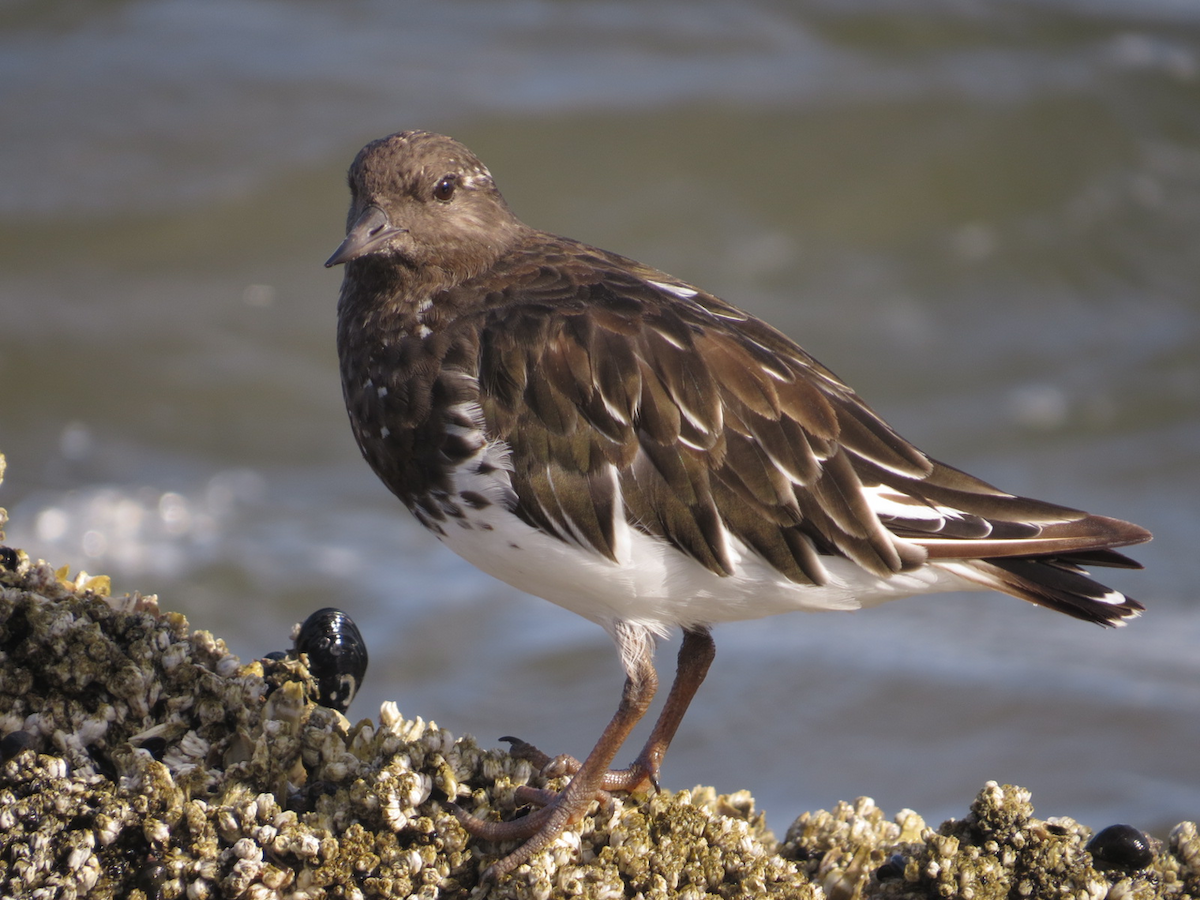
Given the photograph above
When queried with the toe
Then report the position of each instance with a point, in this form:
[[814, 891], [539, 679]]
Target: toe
[[516, 830]]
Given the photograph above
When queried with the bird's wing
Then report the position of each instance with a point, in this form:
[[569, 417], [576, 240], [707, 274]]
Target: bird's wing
[[625, 394]]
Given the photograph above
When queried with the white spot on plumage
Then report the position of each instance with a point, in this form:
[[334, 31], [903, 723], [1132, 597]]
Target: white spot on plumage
[[615, 411], [384, 431], [683, 293], [1114, 598], [729, 315], [883, 464], [621, 531], [789, 472], [887, 502], [381, 391], [696, 421], [671, 339], [480, 177], [563, 522]]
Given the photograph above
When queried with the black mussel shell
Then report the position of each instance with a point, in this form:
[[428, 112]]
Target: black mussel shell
[[337, 656]]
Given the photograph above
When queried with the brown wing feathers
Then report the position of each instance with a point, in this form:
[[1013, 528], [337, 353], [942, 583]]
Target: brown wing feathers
[[711, 423]]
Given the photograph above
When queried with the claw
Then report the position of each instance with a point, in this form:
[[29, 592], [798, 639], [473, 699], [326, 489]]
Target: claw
[[525, 750], [548, 766]]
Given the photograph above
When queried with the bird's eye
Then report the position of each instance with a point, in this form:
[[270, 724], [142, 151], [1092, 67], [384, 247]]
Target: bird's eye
[[444, 189]]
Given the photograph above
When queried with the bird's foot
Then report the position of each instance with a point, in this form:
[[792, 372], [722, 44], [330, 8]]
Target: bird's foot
[[642, 775], [538, 830], [558, 810]]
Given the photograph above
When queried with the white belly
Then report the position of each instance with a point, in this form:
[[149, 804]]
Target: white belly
[[658, 587], [651, 584]]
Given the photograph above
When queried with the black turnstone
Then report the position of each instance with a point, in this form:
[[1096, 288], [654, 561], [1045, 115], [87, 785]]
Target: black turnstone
[[628, 446]]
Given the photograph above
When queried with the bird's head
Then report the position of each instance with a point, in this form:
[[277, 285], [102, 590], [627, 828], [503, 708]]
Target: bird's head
[[425, 201]]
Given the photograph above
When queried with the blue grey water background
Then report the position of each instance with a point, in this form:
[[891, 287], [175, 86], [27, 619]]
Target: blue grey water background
[[984, 215]]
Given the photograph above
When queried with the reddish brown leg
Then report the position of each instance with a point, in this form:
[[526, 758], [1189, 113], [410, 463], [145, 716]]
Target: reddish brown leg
[[541, 827], [695, 656], [593, 776]]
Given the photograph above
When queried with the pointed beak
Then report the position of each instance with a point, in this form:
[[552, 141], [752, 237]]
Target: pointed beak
[[369, 231]]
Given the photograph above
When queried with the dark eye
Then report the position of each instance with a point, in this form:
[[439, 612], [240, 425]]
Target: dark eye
[[444, 189]]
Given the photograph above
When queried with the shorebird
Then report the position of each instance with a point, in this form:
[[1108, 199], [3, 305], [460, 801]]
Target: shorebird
[[630, 447]]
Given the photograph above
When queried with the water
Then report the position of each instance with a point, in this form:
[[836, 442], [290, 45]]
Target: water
[[982, 215]]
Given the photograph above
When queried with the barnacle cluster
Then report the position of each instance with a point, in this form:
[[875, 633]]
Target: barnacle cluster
[[999, 850], [139, 759]]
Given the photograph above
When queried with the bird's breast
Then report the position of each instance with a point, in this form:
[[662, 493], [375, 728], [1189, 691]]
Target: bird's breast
[[414, 406]]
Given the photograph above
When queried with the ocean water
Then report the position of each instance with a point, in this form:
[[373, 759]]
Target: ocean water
[[983, 215]]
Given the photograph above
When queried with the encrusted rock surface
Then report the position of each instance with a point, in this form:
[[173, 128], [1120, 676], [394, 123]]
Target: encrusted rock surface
[[140, 759]]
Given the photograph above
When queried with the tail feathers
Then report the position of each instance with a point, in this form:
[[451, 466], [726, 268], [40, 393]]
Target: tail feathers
[[1102, 557], [1059, 583], [1091, 537]]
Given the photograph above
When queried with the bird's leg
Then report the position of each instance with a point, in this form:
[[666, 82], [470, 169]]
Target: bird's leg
[[541, 827], [695, 655]]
